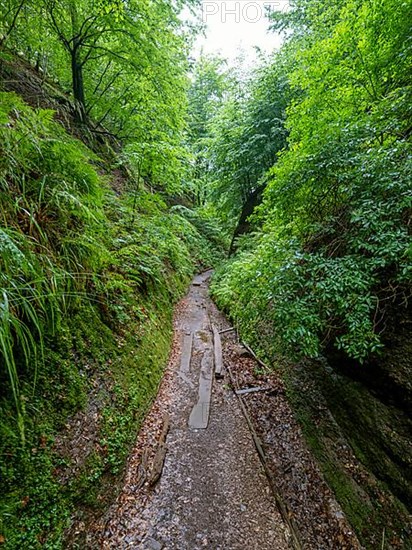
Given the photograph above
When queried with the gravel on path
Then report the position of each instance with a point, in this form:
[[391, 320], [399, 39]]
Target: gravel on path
[[213, 492]]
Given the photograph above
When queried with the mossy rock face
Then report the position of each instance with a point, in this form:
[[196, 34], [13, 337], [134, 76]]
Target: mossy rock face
[[380, 433], [373, 405], [387, 376], [362, 442]]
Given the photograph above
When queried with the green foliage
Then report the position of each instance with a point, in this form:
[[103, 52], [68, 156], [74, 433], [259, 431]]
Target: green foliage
[[292, 300], [124, 63], [37, 502], [334, 252], [206, 222], [245, 136], [49, 193], [209, 84], [236, 128]]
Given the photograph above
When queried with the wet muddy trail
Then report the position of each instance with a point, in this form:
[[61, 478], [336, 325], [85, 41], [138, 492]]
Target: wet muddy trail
[[195, 479]]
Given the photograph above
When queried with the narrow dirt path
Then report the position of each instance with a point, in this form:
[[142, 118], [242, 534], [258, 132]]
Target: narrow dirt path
[[212, 492]]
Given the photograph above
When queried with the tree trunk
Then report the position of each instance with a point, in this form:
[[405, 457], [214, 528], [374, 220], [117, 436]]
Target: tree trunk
[[78, 86], [243, 226], [77, 67]]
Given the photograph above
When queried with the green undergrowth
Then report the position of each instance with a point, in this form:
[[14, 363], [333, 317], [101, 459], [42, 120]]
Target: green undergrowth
[[88, 280], [335, 411]]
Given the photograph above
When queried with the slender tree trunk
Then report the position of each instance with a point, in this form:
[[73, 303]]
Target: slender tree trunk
[[77, 67], [78, 86], [243, 225]]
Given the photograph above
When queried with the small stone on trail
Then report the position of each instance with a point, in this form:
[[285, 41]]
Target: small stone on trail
[[240, 351], [152, 544]]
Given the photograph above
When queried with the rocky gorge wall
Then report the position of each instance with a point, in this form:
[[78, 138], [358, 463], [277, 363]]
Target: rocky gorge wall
[[357, 420]]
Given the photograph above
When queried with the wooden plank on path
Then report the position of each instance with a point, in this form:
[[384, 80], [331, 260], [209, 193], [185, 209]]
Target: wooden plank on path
[[246, 391], [160, 455], [186, 352], [217, 344], [199, 417]]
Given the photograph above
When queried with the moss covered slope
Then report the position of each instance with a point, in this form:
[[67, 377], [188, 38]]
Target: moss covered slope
[[88, 279]]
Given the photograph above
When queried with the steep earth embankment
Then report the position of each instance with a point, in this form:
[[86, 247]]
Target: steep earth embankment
[[88, 280]]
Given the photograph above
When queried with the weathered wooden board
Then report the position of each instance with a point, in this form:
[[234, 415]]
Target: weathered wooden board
[[246, 391], [160, 455], [199, 417], [186, 352], [217, 344]]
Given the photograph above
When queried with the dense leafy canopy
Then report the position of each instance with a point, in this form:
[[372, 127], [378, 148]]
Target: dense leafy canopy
[[333, 255], [124, 62]]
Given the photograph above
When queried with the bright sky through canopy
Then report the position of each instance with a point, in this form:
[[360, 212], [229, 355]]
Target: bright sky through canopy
[[235, 27]]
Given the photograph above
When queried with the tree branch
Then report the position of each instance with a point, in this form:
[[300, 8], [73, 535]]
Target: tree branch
[[102, 76], [13, 23], [116, 76], [51, 6]]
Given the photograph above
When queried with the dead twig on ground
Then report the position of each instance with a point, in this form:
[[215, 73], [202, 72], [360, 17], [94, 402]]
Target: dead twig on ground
[[255, 357]]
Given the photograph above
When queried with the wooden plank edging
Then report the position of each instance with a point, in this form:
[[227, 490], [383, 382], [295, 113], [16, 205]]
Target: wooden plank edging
[[186, 352], [217, 346], [159, 458], [282, 506]]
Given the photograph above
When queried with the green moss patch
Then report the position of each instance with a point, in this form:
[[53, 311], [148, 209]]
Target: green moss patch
[[345, 427]]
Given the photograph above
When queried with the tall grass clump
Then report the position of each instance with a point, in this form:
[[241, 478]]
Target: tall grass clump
[[50, 220]]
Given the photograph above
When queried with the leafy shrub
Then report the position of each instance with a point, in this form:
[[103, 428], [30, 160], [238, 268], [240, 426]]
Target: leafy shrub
[[333, 255]]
